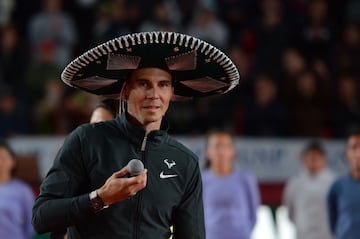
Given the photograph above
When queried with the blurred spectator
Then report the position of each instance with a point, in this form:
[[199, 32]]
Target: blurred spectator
[[317, 33], [16, 199], [305, 195], [53, 25], [237, 15], [182, 116], [293, 64], [282, 38], [344, 195], [6, 8], [352, 11], [50, 115], [160, 19], [13, 61], [306, 107], [207, 26], [41, 72], [231, 196], [203, 118], [265, 115], [43, 82], [242, 60], [105, 110], [79, 106], [347, 53], [270, 30], [245, 64], [13, 120], [111, 20], [347, 109]]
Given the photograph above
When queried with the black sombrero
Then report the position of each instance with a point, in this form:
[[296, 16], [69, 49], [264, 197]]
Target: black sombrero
[[198, 68]]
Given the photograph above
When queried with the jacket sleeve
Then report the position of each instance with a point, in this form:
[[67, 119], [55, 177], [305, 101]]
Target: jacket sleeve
[[332, 208], [63, 199], [188, 218]]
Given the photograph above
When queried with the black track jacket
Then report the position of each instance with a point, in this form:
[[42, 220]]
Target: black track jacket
[[91, 154]]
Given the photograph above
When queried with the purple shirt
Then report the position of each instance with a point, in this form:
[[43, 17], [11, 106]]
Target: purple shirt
[[230, 204], [16, 201]]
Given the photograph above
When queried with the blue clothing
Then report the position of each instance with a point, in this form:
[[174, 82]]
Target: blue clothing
[[230, 205], [344, 208], [16, 202]]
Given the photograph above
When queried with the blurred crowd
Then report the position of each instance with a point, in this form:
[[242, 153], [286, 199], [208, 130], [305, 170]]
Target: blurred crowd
[[299, 62]]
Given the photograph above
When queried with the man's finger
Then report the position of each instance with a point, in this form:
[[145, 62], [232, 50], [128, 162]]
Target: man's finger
[[121, 173], [137, 179]]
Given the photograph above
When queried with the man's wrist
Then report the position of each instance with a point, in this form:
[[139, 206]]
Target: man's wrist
[[96, 202]]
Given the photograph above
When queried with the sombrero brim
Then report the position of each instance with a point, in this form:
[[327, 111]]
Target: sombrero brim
[[199, 69]]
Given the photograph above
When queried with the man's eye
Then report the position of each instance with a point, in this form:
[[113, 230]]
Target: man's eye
[[164, 84], [144, 84]]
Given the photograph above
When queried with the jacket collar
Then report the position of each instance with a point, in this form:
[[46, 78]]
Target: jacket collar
[[136, 133]]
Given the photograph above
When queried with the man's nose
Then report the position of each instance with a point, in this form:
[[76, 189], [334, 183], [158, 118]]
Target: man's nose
[[152, 93]]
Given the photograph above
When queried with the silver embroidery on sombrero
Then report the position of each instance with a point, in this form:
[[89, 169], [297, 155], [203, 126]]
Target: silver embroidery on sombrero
[[198, 84], [122, 62], [183, 62], [213, 54], [94, 82]]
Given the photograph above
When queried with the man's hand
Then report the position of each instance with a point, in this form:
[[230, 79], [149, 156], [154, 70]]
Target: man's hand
[[118, 188]]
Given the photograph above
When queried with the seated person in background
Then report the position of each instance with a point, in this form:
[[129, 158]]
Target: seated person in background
[[344, 195], [305, 194], [231, 196], [16, 199], [105, 110]]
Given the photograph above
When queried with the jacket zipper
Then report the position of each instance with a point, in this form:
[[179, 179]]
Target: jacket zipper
[[139, 201], [143, 144]]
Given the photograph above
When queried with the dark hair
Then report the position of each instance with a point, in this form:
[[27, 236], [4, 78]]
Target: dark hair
[[4, 144], [314, 146], [354, 132], [213, 132], [110, 105]]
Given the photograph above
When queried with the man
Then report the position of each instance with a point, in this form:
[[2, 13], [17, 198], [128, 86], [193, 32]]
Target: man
[[87, 189], [231, 196], [105, 110], [305, 194], [344, 195]]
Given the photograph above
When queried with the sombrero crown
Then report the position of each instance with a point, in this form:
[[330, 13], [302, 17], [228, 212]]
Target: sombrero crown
[[198, 68]]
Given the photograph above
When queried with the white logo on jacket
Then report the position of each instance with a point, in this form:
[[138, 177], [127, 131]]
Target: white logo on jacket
[[169, 163]]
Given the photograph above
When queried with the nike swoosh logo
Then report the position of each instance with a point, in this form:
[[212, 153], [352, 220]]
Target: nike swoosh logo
[[164, 176]]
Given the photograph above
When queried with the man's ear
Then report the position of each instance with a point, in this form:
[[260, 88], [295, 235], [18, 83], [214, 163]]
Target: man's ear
[[125, 91]]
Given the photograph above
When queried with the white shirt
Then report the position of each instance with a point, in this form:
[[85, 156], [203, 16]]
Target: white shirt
[[305, 197]]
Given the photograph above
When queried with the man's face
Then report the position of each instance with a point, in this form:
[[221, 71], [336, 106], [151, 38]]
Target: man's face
[[148, 94], [220, 151], [313, 161], [353, 152]]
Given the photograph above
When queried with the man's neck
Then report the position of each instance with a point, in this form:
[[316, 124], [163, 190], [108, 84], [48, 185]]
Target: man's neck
[[151, 127], [147, 126]]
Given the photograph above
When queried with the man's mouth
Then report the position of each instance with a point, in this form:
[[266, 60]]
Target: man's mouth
[[151, 107]]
